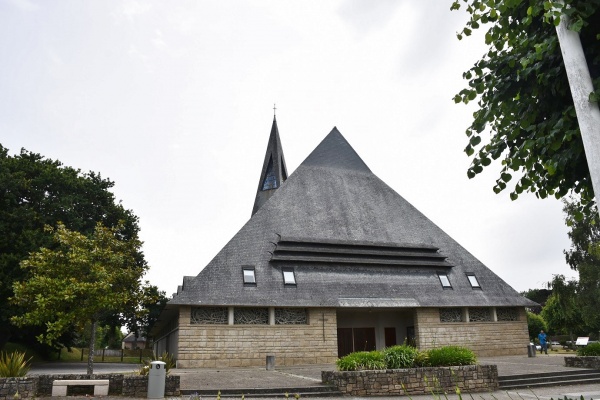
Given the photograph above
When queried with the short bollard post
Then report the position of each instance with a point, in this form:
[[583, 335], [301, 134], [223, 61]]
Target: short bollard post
[[270, 363], [156, 380]]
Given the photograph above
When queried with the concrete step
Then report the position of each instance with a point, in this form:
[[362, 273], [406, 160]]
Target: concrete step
[[308, 391], [549, 379]]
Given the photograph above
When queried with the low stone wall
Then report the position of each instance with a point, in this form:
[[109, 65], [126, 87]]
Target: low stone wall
[[591, 362], [24, 387], [137, 386], [44, 386], [469, 379], [119, 385]]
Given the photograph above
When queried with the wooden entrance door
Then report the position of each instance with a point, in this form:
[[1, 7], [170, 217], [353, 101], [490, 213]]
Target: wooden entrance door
[[345, 344], [390, 337], [355, 339]]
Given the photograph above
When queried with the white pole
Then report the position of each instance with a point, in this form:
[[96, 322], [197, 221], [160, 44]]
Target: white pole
[[588, 114]]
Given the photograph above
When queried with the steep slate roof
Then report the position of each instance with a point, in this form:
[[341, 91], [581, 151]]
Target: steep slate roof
[[330, 216], [273, 172]]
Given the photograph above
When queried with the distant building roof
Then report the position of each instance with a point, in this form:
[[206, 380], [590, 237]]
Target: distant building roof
[[131, 338]]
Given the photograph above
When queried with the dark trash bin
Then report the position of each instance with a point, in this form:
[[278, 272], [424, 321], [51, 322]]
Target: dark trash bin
[[531, 350]]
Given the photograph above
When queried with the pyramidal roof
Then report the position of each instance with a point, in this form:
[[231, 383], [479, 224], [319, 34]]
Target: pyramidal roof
[[351, 241], [336, 153], [273, 172]]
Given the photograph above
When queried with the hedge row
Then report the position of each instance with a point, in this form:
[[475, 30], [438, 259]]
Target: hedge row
[[404, 356], [592, 349]]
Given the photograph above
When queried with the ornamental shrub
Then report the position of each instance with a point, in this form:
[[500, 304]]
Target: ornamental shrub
[[401, 356], [168, 359], [362, 360], [14, 364], [450, 355], [592, 349]]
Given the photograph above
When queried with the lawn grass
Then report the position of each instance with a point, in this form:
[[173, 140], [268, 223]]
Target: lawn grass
[[66, 356]]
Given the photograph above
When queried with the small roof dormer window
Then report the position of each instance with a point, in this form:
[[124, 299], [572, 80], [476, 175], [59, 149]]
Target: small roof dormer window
[[289, 277], [445, 281], [249, 275], [473, 281]]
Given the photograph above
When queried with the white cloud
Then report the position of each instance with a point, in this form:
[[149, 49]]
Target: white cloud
[[25, 5]]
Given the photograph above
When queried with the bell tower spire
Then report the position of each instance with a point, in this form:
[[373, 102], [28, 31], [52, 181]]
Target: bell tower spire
[[274, 172]]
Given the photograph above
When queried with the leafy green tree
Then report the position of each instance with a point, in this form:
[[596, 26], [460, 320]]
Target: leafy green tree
[[540, 296], [584, 256], [153, 304], [561, 311], [34, 192], [535, 324], [81, 280], [525, 116]]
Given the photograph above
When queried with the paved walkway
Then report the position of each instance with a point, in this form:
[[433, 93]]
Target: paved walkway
[[304, 376]]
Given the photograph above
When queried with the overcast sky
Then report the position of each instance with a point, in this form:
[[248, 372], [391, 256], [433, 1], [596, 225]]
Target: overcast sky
[[173, 100]]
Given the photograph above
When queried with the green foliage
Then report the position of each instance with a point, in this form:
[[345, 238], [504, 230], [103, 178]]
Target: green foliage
[[540, 296], [422, 359], [36, 192], [402, 356], [362, 360], [30, 353], [526, 117], [406, 357], [592, 349], [584, 256], [450, 355], [13, 364], [535, 324], [561, 312], [168, 359], [79, 281]]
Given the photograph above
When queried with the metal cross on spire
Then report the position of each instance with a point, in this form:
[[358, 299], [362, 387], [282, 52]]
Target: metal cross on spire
[[274, 110]]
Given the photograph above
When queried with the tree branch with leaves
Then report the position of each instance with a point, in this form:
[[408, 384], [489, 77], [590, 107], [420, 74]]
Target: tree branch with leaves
[[526, 117]]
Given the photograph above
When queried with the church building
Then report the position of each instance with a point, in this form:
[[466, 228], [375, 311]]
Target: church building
[[333, 261]]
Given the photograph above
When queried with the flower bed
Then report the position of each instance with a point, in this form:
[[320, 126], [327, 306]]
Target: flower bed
[[469, 378]]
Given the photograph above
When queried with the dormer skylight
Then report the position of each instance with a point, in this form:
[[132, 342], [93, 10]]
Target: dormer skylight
[[473, 281], [445, 281], [249, 277], [289, 277]]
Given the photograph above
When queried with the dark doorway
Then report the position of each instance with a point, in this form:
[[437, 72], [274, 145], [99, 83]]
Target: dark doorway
[[355, 339], [410, 336], [390, 337], [345, 345]]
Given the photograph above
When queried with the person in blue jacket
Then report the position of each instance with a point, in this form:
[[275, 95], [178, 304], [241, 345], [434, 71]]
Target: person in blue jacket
[[543, 342]]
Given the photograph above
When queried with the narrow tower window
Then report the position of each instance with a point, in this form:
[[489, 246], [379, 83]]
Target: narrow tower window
[[270, 181]]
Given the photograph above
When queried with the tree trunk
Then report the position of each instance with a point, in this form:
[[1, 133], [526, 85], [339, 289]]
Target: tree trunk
[[572, 345], [580, 82], [90, 362]]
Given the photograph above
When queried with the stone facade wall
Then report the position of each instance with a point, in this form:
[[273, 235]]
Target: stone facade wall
[[216, 346], [414, 381], [486, 339], [583, 362], [41, 385], [25, 387], [137, 386]]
